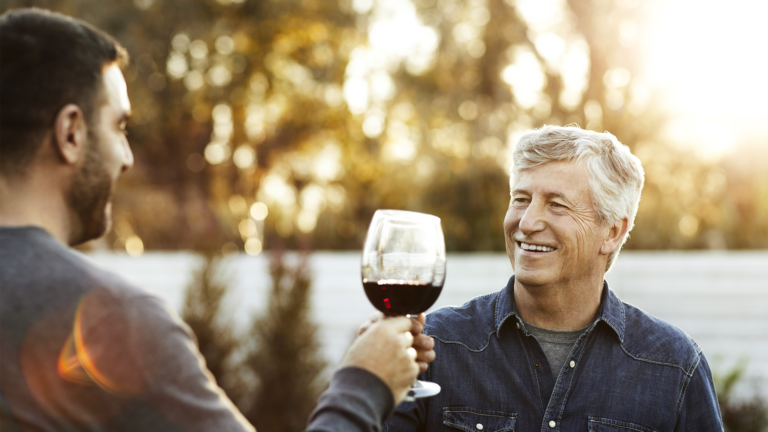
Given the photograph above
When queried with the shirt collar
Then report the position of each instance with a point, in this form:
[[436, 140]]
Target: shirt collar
[[611, 309]]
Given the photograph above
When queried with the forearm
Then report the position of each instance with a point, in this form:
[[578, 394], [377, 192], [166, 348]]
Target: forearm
[[357, 400]]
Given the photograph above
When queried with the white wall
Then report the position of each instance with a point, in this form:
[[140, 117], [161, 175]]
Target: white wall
[[719, 298]]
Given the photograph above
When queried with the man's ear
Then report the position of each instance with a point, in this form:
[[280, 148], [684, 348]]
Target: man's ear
[[616, 233], [70, 134]]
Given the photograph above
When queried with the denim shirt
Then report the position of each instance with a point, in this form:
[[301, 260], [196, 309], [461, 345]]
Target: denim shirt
[[628, 372]]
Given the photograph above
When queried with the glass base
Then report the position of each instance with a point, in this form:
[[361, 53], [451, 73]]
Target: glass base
[[422, 389]]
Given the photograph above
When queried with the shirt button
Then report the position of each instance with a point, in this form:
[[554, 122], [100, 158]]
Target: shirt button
[[573, 364], [479, 426], [518, 326], [536, 365], [552, 423]]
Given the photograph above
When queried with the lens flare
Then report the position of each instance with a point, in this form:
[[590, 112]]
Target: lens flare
[[78, 362]]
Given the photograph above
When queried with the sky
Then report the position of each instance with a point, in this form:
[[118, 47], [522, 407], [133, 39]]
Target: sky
[[710, 59]]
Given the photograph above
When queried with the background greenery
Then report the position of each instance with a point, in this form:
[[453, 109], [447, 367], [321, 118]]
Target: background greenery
[[325, 111]]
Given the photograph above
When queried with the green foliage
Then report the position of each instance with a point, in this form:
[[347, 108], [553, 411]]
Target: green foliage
[[285, 359], [273, 372], [739, 415], [206, 314]]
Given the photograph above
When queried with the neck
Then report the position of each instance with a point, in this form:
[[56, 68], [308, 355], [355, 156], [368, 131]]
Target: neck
[[35, 200], [569, 307]]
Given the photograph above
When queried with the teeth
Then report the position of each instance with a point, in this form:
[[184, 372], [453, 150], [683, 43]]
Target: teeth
[[537, 248]]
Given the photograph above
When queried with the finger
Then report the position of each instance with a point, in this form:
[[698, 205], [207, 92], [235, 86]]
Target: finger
[[415, 369], [423, 366], [411, 353], [372, 319], [423, 342], [425, 356], [408, 340], [416, 326], [398, 324], [422, 319], [363, 327]]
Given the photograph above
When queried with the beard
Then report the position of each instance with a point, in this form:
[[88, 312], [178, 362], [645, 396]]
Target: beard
[[89, 197]]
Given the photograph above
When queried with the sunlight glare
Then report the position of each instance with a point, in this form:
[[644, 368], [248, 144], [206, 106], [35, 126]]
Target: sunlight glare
[[396, 37], [709, 139], [713, 76], [526, 77], [327, 163], [540, 14]]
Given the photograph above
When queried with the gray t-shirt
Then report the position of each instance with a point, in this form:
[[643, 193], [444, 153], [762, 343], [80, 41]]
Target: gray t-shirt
[[81, 349], [556, 345]]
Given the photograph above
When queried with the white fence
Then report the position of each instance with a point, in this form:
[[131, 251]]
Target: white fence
[[719, 298]]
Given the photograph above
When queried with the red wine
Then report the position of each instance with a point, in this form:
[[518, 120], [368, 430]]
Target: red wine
[[401, 297]]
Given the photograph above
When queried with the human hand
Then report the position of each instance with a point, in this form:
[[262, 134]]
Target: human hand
[[423, 344], [385, 349]]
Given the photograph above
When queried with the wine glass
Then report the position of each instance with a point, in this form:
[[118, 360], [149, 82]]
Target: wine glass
[[403, 269]]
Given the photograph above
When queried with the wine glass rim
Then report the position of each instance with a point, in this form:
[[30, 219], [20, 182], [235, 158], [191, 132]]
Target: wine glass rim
[[406, 216]]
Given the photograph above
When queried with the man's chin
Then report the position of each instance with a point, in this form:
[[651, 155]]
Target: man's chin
[[94, 228], [532, 278]]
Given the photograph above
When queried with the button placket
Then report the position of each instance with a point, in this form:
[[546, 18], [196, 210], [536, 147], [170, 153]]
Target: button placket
[[559, 395]]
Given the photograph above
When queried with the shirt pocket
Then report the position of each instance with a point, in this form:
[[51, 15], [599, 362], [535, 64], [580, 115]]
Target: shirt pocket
[[473, 420], [597, 424]]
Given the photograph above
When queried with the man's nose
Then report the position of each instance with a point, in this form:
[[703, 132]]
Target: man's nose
[[127, 157], [533, 218]]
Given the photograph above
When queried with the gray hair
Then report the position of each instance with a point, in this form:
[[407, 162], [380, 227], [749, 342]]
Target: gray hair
[[615, 175]]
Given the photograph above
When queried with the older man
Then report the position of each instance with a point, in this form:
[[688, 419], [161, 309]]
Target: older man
[[556, 349], [81, 349]]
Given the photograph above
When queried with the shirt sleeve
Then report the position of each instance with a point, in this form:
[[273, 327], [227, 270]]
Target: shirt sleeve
[[143, 354], [699, 408], [410, 416], [356, 400]]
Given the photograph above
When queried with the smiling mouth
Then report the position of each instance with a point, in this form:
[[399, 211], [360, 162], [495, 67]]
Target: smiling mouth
[[534, 248]]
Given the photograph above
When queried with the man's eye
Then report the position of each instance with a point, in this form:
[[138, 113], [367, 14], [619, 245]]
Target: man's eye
[[554, 204], [520, 200]]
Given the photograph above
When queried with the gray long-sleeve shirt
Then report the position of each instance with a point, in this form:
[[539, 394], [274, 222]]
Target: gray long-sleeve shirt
[[81, 349]]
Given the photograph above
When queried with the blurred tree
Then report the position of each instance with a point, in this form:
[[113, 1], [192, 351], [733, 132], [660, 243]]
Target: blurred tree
[[739, 415], [205, 313], [284, 358]]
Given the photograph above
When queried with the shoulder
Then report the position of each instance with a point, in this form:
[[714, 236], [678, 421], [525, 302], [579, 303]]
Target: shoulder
[[107, 292], [38, 269], [654, 340], [463, 324]]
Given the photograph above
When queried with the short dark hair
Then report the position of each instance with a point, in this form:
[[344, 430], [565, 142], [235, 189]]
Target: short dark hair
[[47, 61]]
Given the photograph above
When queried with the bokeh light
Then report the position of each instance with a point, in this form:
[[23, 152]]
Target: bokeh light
[[134, 246]]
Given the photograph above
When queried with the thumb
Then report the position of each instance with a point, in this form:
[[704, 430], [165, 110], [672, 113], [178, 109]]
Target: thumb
[[398, 324]]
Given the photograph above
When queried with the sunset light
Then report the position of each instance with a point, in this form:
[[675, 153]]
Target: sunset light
[[709, 59]]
